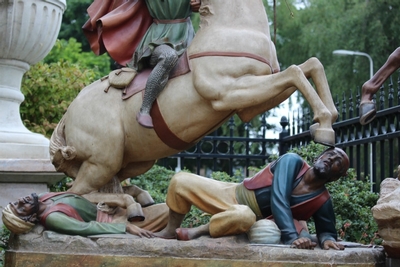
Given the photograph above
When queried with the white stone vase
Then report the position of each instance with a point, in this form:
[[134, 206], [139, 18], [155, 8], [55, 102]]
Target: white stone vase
[[28, 31]]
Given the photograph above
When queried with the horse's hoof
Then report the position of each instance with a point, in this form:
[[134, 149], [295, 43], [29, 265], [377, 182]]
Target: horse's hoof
[[145, 120], [145, 199], [323, 136], [313, 128], [367, 112], [134, 213]]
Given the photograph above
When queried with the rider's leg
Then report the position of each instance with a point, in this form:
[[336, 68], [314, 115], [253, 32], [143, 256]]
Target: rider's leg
[[164, 58]]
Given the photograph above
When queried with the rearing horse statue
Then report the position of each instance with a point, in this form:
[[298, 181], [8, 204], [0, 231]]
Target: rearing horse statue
[[234, 70]]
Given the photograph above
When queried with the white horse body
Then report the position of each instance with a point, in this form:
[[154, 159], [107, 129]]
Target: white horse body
[[99, 138]]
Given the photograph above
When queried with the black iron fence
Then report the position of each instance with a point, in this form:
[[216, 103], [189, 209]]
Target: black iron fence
[[231, 153], [372, 149]]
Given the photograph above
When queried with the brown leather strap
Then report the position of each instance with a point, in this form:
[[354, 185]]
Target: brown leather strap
[[164, 133], [232, 54], [169, 21]]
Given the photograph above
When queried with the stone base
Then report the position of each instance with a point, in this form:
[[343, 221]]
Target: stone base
[[51, 249], [390, 262]]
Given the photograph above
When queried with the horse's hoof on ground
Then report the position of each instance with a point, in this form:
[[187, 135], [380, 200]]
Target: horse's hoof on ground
[[324, 136], [367, 112]]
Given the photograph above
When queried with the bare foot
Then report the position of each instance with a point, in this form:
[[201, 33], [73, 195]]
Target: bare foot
[[165, 234]]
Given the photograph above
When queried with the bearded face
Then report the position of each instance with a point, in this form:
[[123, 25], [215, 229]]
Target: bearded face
[[26, 207], [331, 165]]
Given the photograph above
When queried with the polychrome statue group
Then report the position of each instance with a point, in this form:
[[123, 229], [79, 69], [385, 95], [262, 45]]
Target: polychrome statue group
[[176, 87]]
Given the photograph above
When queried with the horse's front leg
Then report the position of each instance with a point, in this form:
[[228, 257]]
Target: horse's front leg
[[325, 112], [242, 84], [370, 87], [313, 69]]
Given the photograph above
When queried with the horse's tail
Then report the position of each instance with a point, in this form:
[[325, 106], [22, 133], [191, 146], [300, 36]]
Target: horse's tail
[[61, 154]]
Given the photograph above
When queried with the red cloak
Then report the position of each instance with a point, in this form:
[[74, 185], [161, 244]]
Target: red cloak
[[116, 27]]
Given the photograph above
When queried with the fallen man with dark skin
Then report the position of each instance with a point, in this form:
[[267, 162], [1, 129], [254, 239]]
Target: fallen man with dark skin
[[287, 190], [72, 214]]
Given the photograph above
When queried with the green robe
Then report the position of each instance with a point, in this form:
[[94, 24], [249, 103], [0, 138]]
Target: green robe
[[62, 223], [176, 35]]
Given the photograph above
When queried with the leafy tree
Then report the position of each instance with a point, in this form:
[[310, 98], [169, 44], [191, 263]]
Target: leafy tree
[[74, 18], [322, 26]]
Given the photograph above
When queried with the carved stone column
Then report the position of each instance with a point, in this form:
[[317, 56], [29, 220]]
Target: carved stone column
[[28, 31]]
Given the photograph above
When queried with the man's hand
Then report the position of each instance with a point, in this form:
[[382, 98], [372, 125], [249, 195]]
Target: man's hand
[[332, 244], [303, 243], [133, 229], [195, 5]]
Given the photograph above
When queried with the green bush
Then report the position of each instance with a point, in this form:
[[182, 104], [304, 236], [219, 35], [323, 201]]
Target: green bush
[[353, 201], [71, 51], [48, 91], [4, 236], [50, 85]]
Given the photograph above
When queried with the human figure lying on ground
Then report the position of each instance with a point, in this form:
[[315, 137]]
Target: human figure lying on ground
[[72, 214], [165, 40], [288, 189]]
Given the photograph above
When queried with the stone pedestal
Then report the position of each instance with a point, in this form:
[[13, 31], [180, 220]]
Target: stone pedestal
[[29, 29], [386, 213], [52, 250], [22, 177]]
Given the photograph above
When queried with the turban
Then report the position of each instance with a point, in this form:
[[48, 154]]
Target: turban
[[15, 224]]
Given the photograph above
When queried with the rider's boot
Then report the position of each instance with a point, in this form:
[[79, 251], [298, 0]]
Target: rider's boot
[[164, 58]]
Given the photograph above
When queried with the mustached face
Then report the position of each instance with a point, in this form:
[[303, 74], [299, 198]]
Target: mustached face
[[25, 206]]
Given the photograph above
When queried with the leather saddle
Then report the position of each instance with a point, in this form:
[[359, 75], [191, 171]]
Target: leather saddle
[[139, 82]]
